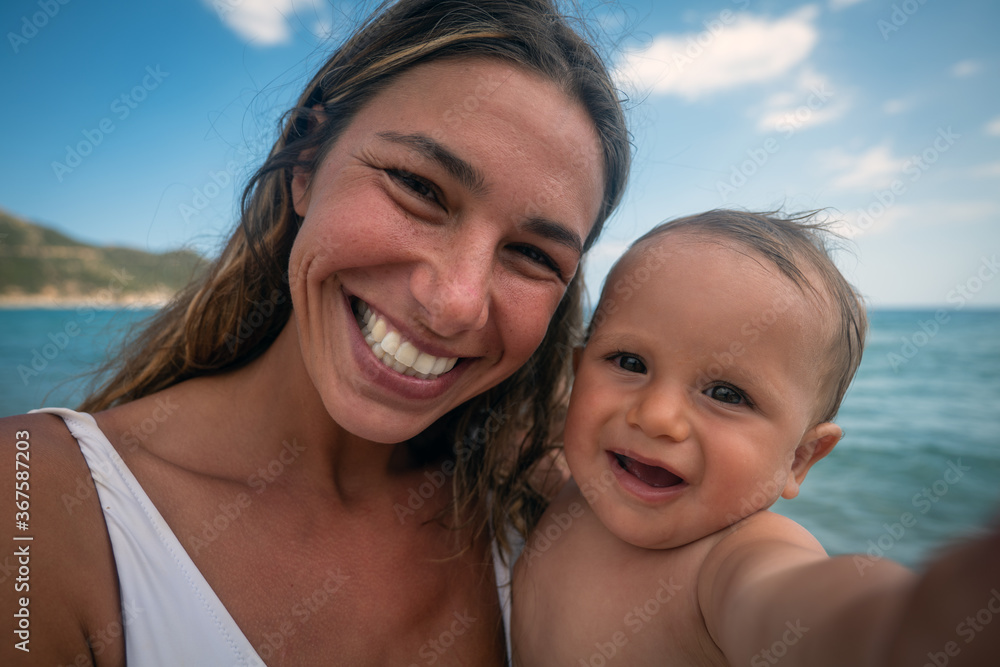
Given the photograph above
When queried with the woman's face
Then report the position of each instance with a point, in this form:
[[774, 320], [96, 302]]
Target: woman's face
[[439, 234]]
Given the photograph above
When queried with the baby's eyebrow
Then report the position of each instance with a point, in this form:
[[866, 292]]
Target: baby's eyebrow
[[753, 382]]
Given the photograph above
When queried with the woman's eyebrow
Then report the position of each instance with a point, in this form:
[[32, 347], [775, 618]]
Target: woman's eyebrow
[[430, 149], [555, 232], [472, 178]]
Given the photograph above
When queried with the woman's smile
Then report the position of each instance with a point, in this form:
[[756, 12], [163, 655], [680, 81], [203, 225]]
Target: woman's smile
[[395, 350]]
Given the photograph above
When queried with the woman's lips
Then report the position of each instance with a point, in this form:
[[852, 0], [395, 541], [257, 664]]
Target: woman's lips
[[392, 382], [393, 349]]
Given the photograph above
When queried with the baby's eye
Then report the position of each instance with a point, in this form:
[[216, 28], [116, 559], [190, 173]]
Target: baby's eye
[[726, 394], [630, 363]]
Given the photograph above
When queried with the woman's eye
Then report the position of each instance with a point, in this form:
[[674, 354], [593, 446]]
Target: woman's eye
[[629, 363], [538, 257], [413, 183], [725, 394]]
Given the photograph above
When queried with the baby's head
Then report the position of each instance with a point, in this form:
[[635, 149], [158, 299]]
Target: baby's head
[[718, 355]]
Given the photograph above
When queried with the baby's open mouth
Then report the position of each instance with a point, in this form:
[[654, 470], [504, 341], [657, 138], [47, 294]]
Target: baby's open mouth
[[654, 476], [393, 350]]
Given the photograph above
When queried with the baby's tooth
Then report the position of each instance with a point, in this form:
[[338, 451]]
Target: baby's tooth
[[379, 329], [390, 341], [439, 365]]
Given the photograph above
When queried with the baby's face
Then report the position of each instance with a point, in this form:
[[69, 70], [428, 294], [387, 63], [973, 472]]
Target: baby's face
[[694, 391]]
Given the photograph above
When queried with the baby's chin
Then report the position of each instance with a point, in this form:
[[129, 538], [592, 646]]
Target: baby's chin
[[645, 534]]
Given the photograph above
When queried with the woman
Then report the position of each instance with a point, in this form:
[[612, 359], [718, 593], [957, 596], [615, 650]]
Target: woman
[[298, 462]]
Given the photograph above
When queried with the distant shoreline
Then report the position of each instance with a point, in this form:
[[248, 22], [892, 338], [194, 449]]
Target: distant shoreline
[[38, 301]]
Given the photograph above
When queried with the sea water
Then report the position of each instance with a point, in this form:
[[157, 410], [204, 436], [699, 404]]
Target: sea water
[[918, 468]]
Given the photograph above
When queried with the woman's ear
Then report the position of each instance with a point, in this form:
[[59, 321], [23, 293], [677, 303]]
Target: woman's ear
[[815, 444], [300, 190], [301, 177]]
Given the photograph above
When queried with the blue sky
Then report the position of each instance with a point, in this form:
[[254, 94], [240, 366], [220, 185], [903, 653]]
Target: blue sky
[[887, 112]]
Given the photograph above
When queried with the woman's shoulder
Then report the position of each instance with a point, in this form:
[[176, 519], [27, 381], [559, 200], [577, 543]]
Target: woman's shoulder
[[57, 567]]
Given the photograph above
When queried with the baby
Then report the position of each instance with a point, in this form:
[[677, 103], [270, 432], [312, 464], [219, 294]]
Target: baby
[[715, 363]]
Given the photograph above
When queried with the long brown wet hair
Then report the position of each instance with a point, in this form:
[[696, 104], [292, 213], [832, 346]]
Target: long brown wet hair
[[236, 309]]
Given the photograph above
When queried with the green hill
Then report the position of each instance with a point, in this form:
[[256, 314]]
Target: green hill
[[37, 262]]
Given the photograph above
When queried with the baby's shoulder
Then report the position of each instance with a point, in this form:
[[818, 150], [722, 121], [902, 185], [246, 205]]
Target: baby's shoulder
[[764, 530], [760, 544]]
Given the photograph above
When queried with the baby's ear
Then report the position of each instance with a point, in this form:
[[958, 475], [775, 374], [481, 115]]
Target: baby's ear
[[816, 443]]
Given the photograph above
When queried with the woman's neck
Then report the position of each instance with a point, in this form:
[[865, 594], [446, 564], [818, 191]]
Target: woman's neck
[[276, 407]]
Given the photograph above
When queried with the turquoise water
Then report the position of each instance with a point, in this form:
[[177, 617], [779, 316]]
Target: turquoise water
[[919, 465]]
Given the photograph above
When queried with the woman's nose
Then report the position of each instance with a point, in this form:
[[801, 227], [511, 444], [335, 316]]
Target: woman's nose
[[454, 288], [661, 412]]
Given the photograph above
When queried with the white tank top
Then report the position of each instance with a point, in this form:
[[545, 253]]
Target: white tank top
[[171, 615]]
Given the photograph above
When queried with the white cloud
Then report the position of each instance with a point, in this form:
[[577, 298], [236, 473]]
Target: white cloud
[[993, 127], [868, 171], [261, 22], [966, 68], [933, 213], [735, 49], [814, 102], [987, 170], [837, 5], [893, 107], [859, 222]]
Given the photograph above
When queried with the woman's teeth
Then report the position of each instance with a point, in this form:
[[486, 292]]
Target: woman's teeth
[[398, 354]]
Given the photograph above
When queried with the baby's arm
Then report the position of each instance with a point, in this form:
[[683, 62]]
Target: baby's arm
[[769, 592]]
